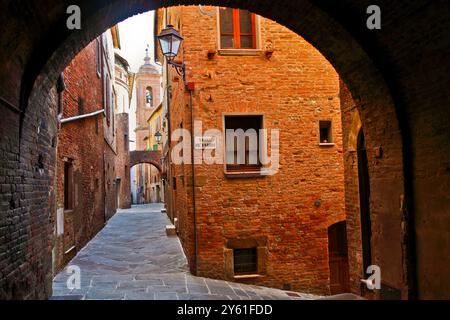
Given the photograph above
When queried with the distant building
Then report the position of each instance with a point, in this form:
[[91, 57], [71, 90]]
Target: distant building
[[148, 88]]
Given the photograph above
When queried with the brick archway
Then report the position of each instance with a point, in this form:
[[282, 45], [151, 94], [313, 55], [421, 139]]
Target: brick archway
[[391, 75], [150, 157]]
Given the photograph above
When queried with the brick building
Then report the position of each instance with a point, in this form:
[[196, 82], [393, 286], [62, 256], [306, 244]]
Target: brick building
[[90, 163], [248, 72], [123, 87], [148, 98], [155, 128]]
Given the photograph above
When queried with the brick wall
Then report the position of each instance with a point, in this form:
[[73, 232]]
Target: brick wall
[[80, 143], [123, 160], [351, 125], [296, 85], [398, 76]]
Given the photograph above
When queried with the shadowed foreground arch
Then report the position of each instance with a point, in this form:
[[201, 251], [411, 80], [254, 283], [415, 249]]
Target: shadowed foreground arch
[[398, 77]]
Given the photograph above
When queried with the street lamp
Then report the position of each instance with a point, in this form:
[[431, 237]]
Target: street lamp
[[158, 137], [170, 43]]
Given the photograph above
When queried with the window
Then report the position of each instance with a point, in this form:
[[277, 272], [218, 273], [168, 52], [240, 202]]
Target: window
[[68, 186], [149, 96], [80, 105], [325, 132], [245, 261], [126, 142], [242, 143], [107, 99], [237, 29], [98, 55]]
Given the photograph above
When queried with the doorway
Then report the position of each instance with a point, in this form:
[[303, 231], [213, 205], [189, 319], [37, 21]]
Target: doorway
[[364, 203], [338, 258]]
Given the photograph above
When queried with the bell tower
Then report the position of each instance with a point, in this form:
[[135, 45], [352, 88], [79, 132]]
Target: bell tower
[[148, 91]]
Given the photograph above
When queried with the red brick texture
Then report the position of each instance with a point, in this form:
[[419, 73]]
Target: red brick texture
[[81, 143], [398, 77], [296, 85], [123, 160]]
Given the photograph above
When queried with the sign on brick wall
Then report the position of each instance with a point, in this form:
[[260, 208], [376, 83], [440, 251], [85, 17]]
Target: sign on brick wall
[[207, 143]]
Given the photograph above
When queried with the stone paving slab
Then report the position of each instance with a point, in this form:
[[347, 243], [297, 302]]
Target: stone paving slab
[[132, 258]]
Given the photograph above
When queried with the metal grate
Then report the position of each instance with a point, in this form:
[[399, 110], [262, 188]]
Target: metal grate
[[245, 261]]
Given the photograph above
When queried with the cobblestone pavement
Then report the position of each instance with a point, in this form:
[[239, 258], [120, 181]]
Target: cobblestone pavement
[[132, 258]]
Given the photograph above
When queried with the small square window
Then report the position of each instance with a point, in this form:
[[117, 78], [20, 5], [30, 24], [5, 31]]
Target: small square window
[[245, 261], [325, 132]]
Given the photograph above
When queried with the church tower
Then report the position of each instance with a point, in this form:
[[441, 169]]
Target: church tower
[[148, 90]]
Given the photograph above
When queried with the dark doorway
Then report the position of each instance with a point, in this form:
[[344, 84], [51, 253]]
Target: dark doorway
[[338, 258], [364, 202]]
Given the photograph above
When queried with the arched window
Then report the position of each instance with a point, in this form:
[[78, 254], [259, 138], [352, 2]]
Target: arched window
[[149, 96]]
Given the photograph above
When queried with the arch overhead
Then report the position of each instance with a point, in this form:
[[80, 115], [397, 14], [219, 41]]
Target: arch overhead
[[397, 77], [151, 157]]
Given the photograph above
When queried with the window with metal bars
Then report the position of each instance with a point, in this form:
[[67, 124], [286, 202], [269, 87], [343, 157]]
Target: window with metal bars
[[245, 261]]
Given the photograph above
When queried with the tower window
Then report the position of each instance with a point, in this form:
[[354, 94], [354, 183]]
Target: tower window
[[149, 97]]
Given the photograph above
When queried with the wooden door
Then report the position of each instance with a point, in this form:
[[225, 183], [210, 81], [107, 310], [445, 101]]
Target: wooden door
[[338, 258]]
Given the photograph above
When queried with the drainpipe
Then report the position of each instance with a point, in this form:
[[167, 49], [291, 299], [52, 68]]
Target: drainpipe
[[191, 87], [169, 138]]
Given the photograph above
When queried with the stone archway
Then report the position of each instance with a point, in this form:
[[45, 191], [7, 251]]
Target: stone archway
[[385, 76], [150, 157]]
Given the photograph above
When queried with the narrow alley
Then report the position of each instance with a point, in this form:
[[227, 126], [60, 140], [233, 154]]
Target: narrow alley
[[133, 259]]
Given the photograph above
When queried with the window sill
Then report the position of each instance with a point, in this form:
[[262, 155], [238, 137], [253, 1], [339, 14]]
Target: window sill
[[244, 175], [325, 145], [68, 211], [240, 52], [247, 276]]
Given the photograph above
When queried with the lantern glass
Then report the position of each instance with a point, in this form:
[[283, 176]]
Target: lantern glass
[[158, 137], [170, 42]]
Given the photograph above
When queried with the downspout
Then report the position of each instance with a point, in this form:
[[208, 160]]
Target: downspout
[[169, 138], [191, 90]]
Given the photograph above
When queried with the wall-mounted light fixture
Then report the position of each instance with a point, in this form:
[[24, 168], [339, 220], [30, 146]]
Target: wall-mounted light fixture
[[158, 137], [170, 42]]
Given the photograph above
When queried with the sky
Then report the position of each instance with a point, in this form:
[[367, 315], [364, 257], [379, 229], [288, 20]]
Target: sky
[[136, 33]]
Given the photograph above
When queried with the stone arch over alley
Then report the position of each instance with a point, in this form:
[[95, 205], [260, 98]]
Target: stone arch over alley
[[150, 157], [389, 83]]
